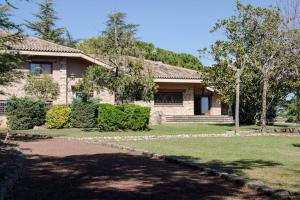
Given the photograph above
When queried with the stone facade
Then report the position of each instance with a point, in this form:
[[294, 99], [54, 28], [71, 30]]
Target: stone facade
[[63, 67]]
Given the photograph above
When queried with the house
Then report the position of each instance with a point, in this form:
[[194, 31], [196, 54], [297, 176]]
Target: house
[[181, 96]]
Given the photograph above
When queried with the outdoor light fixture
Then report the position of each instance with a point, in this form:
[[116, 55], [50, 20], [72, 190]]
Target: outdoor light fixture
[[72, 76]]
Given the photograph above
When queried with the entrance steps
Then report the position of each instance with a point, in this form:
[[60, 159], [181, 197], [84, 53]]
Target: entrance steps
[[213, 119]]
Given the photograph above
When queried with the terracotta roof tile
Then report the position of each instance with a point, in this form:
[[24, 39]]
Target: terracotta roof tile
[[35, 44]]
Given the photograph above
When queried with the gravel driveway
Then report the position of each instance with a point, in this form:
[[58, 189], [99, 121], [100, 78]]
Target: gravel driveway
[[61, 169]]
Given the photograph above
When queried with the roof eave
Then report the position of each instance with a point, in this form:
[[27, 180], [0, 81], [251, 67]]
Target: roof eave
[[177, 80], [63, 54]]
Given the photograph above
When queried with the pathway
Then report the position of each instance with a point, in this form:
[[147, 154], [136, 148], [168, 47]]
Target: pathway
[[62, 169]]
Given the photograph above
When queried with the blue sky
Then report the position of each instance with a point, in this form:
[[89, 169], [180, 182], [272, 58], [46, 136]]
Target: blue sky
[[178, 25]]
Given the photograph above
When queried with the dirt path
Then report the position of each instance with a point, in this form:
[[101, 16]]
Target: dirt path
[[60, 169]]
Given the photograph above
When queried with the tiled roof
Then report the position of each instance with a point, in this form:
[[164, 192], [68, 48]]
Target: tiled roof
[[34, 44], [164, 71], [158, 69]]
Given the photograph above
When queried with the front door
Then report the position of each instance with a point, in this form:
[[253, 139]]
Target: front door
[[202, 105]]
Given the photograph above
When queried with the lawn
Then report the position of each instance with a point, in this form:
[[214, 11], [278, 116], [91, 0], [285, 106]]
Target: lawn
[[171, 129], [272, 160]]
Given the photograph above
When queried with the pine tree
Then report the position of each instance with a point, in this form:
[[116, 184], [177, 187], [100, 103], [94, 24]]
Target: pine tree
[[9, 33], [45, 27]]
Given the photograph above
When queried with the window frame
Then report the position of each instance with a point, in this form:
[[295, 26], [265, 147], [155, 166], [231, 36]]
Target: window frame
[[41, 63], [168, 103]]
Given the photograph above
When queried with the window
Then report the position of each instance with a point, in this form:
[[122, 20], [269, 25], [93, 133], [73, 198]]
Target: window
[[168, 98], [40, 68], [3, 104]]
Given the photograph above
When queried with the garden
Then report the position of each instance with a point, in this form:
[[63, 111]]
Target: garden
[[26, 113]]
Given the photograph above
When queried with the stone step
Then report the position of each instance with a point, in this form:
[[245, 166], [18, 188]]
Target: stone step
[[198, 118]]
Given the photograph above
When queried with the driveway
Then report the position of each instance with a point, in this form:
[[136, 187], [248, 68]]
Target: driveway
[[61, 169]]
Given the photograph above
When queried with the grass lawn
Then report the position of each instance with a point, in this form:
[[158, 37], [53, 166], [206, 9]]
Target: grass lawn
[[172, 129], [273, 160]]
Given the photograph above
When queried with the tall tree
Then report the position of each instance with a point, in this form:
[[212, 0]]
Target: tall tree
[[126, 77], [255, 44], [45, 27], [10, 33], [232, 53]]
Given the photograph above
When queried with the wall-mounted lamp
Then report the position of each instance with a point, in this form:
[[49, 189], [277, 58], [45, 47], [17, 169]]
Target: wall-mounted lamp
[[72, 76]]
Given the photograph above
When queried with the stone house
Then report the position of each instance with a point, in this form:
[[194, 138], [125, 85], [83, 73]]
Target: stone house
[[181, 96]]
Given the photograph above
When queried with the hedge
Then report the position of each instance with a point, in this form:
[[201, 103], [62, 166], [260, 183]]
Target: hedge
[[83, 114], [123, 117], [110, 117], [25, 113], [58, 117], [136, 117]]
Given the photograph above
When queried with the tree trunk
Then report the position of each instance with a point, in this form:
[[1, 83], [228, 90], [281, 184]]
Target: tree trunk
[[237, 101], [264, 106]]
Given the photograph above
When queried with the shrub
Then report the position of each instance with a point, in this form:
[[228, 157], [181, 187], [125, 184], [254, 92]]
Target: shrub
[[58, 116], [110, 117], [25, 113], [83, 114], [136, 117]]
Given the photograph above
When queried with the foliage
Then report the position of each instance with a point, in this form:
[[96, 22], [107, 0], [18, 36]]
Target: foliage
[[291, 109], [123, 117], [25, 113], [136, 117], [83, 114], [9, 60], [58, 117], [110, 117], [148, 51], [44, 88], [255, 44], [45, 26], [126, 77]]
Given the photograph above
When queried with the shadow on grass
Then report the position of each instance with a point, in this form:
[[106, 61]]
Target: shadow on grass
[[231, 167], [296, 145], [25, 137]]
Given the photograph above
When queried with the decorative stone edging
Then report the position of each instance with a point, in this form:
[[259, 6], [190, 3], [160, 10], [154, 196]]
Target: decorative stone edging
[[6, 186], [234, 178], [165, 137]]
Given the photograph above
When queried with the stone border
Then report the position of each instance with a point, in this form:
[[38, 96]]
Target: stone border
[[234, 178], [179, 136], [6, 186]]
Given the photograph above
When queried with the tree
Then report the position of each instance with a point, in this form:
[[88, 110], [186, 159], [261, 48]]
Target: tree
[[44, 88], [148, 51], [45, 27], [290, 25], [10, 33], [126, 77], [255, 44], [232, 53]]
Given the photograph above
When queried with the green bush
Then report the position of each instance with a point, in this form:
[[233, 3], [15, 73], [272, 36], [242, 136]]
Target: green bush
[[58, 116], [133, 117], [110, 117], [136, 117], [25, 113], [83, 114]]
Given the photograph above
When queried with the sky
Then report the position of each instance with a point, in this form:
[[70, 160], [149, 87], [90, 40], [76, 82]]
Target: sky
[[182, 26]]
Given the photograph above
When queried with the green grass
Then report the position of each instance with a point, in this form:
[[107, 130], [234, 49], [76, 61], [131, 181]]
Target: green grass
[[273, 160], [172, 129]]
